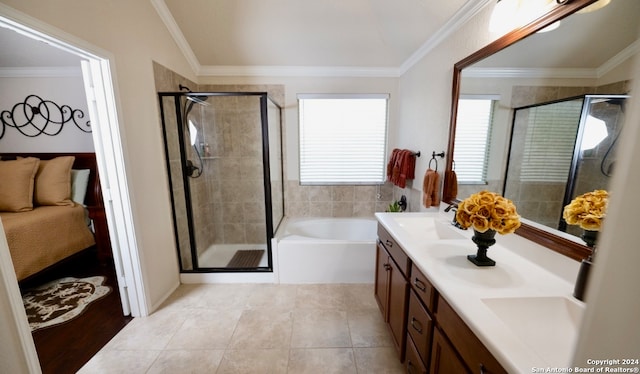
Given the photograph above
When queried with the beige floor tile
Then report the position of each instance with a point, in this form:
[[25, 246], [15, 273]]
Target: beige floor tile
[[187, 361], [328, 296], [227, 295], [263, 328], [273, 296], [264, 361], [359, 296], [378, 360], [116, 362], [368, 329], [322, 360], [152, 332], [206, 329], [318, 328], [187, 296]]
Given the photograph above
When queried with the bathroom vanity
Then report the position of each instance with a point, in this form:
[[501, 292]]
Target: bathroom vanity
[[447, 315]]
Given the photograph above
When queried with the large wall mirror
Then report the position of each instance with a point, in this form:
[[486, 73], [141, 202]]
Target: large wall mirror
[[535, 84]]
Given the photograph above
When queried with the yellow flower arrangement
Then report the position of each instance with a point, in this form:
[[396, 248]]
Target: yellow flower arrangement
[[587, 210], [488, 210]]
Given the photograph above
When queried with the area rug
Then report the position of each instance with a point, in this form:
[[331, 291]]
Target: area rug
[[62, 300], [246, 258]]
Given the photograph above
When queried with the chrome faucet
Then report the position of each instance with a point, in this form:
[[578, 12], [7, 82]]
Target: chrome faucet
[[454, 207]]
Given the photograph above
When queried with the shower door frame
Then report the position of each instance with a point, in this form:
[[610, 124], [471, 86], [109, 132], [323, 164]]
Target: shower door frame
[[266, 169]]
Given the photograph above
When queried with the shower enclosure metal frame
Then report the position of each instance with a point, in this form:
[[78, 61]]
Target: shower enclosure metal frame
[[271, 226]]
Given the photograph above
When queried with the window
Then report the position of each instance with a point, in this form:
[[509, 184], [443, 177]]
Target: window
[[549, 141], [343, 138], [473, 138]]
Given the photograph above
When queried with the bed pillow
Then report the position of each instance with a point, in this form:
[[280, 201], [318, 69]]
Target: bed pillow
[[79, 182], [53, 182], [17, 184]]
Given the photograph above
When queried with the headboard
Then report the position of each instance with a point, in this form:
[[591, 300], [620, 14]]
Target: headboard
[[86, 160]]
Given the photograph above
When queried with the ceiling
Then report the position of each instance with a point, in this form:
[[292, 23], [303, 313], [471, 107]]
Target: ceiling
[[334, 37]]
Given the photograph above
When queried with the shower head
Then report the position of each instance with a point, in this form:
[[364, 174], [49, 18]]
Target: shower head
[[200, 99], [193, 99]]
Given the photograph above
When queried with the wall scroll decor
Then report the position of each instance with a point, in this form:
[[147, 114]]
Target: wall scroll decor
[[36, 116]]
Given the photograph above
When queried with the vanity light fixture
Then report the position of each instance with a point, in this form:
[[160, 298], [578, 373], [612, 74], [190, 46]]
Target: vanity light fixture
[[510, 14]]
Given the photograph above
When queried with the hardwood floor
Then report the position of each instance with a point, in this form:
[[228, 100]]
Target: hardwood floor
[[67, 347]]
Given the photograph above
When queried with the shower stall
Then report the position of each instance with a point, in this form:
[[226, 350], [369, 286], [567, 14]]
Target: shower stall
[[560, 150], [224, 160]]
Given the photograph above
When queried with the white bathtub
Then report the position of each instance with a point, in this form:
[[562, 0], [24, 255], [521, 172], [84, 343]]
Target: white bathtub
[[327, 250]]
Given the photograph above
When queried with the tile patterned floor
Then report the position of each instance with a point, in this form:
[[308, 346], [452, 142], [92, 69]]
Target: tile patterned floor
[[255, 328]]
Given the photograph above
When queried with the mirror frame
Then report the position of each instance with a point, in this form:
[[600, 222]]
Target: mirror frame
[[565, 8]]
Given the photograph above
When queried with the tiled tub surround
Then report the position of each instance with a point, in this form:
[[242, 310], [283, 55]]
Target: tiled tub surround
[[345, 200], [249, 328]]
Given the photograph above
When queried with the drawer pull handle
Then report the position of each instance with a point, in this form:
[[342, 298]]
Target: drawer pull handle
[[482, 369], [389, 243], [416, 325], [419, 285], [387, 267]]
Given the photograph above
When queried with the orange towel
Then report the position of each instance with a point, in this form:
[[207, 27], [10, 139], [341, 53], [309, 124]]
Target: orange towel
[[430, 189], [451, 181], [401, 167], [392, 163]]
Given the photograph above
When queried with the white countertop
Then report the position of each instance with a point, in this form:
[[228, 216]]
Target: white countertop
[[500, 304]]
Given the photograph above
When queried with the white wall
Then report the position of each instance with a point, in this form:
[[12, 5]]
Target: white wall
[[425, 93], [134, 35], [63, 90]]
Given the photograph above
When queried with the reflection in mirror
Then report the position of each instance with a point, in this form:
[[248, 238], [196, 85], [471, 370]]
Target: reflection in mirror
[[590, 53], [560, 150]]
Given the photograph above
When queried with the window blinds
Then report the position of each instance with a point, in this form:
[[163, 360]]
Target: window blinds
[[473, 138], [549, 141], [342, 139]]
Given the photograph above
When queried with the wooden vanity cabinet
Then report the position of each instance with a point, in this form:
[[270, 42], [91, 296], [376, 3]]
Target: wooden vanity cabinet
[[391, 288], [474, 354], [444, 358]]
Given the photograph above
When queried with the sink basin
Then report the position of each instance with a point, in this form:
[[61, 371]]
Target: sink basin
[[427, 228], [549, 325]]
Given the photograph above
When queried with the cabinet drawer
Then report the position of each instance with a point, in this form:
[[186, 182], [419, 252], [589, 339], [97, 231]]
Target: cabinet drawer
[[413, 362], [396, 252], [424, 290], [473, 352], [419, 326]]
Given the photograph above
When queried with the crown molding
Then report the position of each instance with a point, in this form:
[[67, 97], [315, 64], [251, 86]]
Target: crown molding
[[176, 33], [41, 72], [462, 16], [618, 59], [301, 71], [577, 73], [557, 73]]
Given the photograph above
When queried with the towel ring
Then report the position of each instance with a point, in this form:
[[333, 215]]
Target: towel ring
[[433, 159]]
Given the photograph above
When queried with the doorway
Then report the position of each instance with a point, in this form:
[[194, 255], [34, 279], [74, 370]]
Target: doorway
[[101, 104]]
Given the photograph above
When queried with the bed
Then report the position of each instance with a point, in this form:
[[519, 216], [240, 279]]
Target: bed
[[51, 208]]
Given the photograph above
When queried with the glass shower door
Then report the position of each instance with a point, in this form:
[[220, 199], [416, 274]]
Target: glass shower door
[[221, 175]]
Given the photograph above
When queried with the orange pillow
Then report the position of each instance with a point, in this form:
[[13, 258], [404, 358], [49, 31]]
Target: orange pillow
[[53, 182], [17, 184]]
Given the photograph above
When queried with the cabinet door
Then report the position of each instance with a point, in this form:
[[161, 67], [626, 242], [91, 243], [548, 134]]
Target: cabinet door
[[381, 290], [413, 362], [444, 359], [398, 293]]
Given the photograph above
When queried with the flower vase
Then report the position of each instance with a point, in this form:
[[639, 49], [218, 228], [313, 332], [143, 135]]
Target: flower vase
[[590, 237], [483, 240]]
